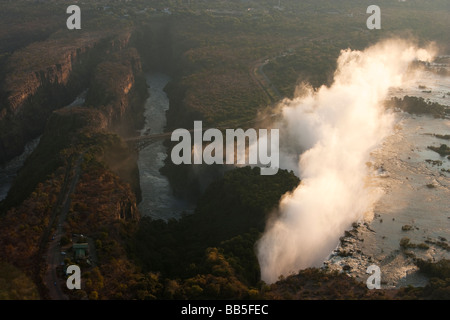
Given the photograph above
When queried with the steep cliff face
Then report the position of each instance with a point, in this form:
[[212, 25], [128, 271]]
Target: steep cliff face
[[118, 90], [46, 76], [104, 198], [22, 84], [127, 210], [101, 203], [85, 140], [64, 129], [53, 61]]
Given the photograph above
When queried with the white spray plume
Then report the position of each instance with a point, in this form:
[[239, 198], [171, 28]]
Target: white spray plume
[[338, 126]]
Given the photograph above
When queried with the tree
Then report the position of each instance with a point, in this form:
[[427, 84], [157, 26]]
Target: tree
[[93, 295]]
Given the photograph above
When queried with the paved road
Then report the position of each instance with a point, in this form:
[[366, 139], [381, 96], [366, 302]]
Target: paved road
[[54, 256]]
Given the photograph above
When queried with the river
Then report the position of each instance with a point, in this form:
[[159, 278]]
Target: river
[[12, 167], [9, 171], [415, 203], [158, 201]]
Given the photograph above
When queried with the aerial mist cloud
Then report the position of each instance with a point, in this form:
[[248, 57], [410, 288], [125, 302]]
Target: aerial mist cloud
[[328, 136]]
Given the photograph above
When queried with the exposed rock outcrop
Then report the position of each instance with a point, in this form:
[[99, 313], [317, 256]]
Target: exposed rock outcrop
[[118, 89], [114, 104], [46, 76]]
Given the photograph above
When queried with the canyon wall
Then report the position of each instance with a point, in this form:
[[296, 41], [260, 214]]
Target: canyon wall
[[46, 76]]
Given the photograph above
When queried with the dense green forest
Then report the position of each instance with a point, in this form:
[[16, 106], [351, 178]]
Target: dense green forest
[[211, 253], [230, 216]]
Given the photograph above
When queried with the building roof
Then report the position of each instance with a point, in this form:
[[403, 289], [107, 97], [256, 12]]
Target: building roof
[[80, 246]]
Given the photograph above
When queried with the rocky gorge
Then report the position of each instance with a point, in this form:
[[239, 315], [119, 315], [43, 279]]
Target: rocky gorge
[[82, 170], [45, 76]]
